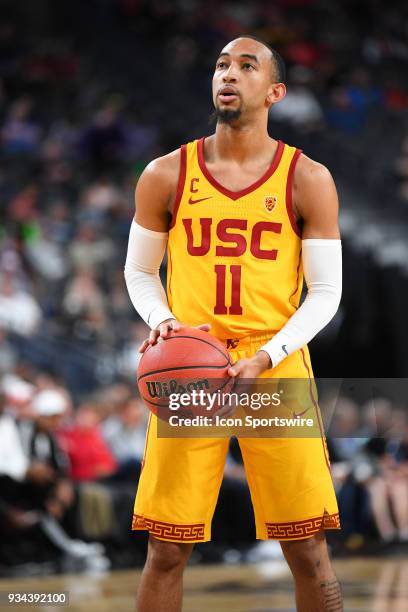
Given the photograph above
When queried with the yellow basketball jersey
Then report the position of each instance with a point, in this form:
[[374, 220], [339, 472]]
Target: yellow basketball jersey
[[234, 257]]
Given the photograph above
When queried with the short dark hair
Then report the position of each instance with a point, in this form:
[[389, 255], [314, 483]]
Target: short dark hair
[[277, 60]]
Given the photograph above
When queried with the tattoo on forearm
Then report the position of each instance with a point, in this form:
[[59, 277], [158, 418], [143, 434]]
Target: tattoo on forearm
[[333, 601]]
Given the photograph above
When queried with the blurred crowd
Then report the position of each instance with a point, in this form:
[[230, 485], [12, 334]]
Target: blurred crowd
[[368, 446], [69, 471], [89, 93]]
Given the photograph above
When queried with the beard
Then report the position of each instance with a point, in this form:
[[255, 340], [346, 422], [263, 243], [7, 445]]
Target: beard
[[225, 115]]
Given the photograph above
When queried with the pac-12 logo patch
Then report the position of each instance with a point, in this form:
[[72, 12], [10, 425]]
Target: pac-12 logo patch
[[270, 202]]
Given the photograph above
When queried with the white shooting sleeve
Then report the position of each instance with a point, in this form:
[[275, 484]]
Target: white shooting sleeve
[[146, 249], [322, 268]]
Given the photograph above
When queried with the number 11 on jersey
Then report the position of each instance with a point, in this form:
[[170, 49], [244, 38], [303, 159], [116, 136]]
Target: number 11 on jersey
[[221, 307]]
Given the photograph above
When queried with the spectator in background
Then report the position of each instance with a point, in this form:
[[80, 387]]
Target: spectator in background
[[25, 479], [120, 306], [58, 223], [377, 417], [112, 397], [14, 464], [85, 305], [101, 196], [90, 246], [344, 441], [387, 486], [46, 255], [351, 104], [125, 434], [130, 356], [89, 455], [34, 491], [104, 140], [345, 436], [55, 493], [14, 468], [20, 134], [341, 114], [19, 394], [300, 107], [363, 94], [19, 311], [8, 354]]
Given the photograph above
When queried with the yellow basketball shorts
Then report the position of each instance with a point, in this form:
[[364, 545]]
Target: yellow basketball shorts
[[289, 478]]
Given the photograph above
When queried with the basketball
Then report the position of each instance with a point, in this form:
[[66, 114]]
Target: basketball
[[187, 360]]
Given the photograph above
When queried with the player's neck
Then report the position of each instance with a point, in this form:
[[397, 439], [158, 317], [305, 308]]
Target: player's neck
[[240, 142]]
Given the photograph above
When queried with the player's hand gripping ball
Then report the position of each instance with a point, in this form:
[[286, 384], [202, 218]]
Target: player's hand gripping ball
[[186, 361]]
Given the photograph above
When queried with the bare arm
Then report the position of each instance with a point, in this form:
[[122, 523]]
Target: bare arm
[[315, 200], [155, 192]]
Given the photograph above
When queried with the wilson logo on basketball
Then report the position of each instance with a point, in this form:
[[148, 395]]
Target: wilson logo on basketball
[[165, 389], [270, 202]]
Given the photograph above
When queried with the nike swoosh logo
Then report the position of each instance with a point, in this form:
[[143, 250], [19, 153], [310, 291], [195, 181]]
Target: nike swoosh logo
[[295, 416], [284, 349], [191, 201]]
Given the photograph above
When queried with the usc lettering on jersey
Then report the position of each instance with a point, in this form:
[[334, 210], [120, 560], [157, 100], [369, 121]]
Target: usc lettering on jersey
[[234, 258]]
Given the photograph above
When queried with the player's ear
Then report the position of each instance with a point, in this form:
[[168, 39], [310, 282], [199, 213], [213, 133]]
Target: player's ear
[[276, 93], [269, 96]]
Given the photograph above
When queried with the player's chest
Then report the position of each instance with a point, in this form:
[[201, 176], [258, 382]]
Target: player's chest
[[236, 178]]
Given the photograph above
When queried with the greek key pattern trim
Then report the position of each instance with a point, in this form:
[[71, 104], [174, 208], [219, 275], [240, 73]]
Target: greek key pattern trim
[[302, 529], [169, 531]]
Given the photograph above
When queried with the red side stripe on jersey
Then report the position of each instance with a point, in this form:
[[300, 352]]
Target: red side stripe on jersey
[[289, 190], [319, 421], [180, 184], [298, 280]]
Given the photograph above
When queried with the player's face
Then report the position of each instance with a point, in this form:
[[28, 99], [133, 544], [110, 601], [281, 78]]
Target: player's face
[[242, 81]]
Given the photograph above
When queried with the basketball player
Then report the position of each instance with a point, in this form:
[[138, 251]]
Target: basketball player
[[244, 218]]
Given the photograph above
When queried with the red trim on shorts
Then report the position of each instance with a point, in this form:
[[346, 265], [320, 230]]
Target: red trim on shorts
[[169, 531], [146, 440], [234, 195], [322, 436], [180, 184], [297, 530], [289, 196]]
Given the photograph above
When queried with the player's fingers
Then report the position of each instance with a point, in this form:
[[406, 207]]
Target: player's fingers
[[168, 326], [163, 329], [175, 325], [236, 369], [153, 336], [143, 346]]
